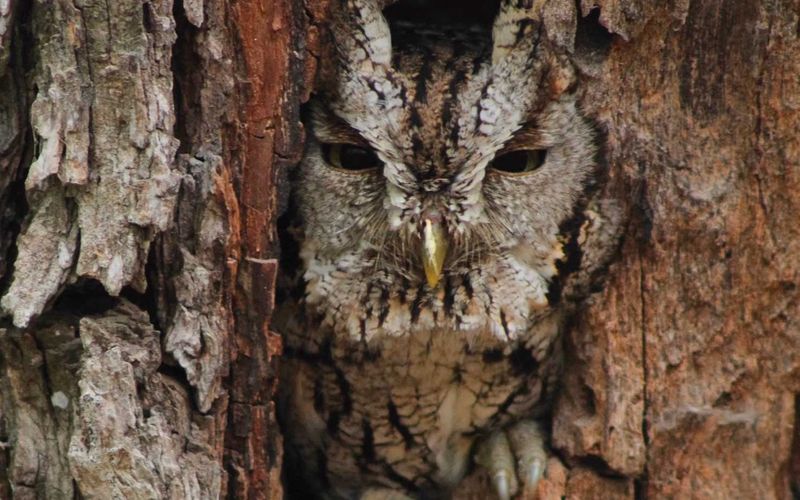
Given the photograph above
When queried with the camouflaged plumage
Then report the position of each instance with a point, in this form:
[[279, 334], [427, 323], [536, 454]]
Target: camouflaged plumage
[[388, 382]]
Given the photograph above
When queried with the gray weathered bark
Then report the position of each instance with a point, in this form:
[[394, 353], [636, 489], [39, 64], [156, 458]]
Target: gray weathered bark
[[142, 145], [143, 151]]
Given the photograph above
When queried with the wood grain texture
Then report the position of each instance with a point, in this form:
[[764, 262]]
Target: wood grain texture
[[697, 104], [682, 373]]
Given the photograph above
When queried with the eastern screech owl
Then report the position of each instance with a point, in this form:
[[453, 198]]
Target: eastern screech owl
[[444, 229]]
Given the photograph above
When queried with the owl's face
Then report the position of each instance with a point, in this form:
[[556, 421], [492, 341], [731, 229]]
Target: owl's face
[[439, 162]]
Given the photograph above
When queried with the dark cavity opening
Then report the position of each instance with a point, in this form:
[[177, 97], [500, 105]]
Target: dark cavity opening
[[187, 80], [444, 12], [592, 39], [85, 297]]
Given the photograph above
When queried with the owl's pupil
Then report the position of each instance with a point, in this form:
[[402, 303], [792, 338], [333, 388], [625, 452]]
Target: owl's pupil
[[358, 158], [350, 156], [521, 161]]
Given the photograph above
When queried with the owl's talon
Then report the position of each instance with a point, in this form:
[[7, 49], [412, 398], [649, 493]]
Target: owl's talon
[[527, 442], [534, 474], [495, 454], [513, 456], [500, 481]]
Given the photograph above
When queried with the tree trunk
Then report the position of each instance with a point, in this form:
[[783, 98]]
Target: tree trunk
[[143, 153], [143, 150]]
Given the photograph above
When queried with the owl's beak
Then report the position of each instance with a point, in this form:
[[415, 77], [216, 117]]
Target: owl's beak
[[434, 250]]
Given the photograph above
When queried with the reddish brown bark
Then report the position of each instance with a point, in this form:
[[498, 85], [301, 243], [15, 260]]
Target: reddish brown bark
[[270, 36]]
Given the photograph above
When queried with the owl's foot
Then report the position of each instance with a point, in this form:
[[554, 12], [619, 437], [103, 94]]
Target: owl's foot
[[382, 494], [515, 458]]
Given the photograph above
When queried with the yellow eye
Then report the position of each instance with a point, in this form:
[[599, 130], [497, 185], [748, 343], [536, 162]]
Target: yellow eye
[[519, 162], [350, 157]]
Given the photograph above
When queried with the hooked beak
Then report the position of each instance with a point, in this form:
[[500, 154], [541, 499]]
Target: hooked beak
[[434, 250]]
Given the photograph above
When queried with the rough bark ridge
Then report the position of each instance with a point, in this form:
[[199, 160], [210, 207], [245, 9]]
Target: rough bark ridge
[[687, 365], [143, 154], [682, 373]]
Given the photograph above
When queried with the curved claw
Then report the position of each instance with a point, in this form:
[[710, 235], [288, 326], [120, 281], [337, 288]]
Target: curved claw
[[534, 474], [495, 454], [515, 458], [527, 443], [501, 486]]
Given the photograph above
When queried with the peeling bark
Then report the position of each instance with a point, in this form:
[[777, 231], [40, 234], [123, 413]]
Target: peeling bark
[[103, 99], [144, 148], [146, 238], [135, 435]]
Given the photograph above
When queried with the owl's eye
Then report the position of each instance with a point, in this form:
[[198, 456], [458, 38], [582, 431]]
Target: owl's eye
[[519, 162], [350, 157]]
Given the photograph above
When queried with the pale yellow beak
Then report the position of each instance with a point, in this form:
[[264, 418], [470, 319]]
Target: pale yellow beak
[[434, 250]]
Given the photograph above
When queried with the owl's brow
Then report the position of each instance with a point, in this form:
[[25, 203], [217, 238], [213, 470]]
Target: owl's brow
[[330, 128], [528, 136]]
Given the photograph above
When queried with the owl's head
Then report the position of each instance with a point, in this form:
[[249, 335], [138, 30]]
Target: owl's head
[[437, 153]]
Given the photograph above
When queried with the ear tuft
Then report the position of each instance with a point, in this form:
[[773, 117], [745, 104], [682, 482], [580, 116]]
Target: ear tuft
[[361, 31], [515, 21]]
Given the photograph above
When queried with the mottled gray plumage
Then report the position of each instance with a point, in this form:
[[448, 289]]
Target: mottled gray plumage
[[392, 381]]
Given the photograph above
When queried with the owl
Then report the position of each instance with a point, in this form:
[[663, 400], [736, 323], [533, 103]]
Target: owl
[[446, 223]]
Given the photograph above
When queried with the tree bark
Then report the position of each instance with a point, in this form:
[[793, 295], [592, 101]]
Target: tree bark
[[144, 149]]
